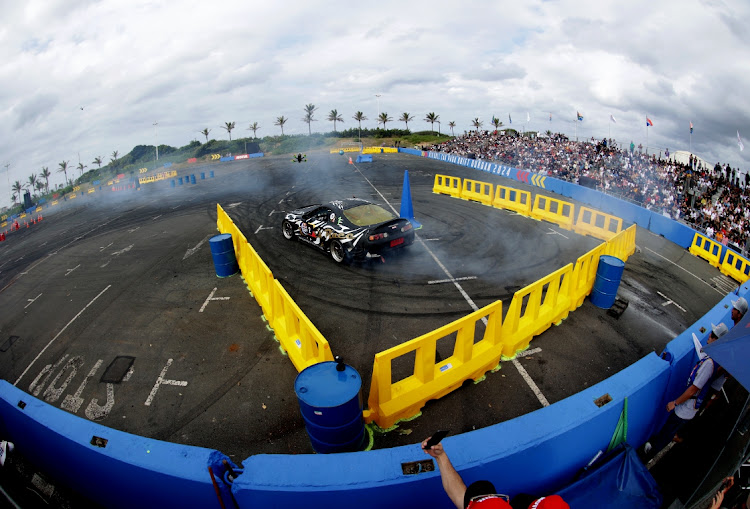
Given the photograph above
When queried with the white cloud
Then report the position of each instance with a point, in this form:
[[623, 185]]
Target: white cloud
[[191, 65]]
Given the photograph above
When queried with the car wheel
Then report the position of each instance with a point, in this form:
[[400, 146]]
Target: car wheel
[[287, 229], [338, 252]]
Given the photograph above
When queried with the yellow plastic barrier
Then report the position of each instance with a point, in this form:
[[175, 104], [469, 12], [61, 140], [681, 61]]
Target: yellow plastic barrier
[[597, 224], [735, 266], [347, 149], [584, 275], [296, 333], [475, 190], [622, 245], [92, 190], [379, 150], [54, 202], [447, 185], [706, 248], [536, 307], [391, 401], [512, 199], [553, 210]]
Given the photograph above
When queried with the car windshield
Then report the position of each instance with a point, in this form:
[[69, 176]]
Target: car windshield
[[367, 214]]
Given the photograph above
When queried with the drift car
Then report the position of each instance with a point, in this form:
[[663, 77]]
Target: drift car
[[350, 229]]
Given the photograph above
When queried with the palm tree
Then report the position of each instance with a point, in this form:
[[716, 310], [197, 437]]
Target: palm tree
[[39, 187], [406, 118], [45, 175], [280, 122], [97, 161], [17, 188], [334, 117], [496, 122], [254, 128], [113, 160], [64, 169], [432, 118], [548, 133], [205, 132], [309, 112], [383, 118], [452, 124], [228, 126], [32, 181], [359, 117], [476, 123], [81, 167]]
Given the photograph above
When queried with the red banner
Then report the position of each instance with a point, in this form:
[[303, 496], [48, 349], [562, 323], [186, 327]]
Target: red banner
[[193, 160], [243, 156]]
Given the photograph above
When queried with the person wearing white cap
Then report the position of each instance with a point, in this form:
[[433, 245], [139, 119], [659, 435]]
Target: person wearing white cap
[[739, 308], [684, 408]]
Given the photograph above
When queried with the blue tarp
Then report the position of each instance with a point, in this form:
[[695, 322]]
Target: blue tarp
[[618, 480], [732, 351]]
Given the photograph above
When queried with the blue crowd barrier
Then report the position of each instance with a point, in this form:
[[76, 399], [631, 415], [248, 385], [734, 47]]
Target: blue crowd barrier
[[110, 467]]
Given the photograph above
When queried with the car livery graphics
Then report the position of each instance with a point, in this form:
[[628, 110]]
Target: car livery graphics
[[350, 229]]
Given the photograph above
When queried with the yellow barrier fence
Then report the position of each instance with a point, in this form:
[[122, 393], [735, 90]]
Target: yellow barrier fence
[[447, 185], [597, 224], [380, 150], [735, 266], [622, 245], [584, 275], [296, 333], [477, 191], [706, 248], [391, 401], [553, 210], [512, 199], [535, 308], [347, 149]]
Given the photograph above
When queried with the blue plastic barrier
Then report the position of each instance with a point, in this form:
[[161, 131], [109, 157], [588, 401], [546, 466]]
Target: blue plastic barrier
[[167, 165], [364, 158], [112, 468], [227, 158]]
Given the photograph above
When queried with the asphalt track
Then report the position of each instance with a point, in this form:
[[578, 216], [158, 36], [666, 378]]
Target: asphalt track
[[111, 308]]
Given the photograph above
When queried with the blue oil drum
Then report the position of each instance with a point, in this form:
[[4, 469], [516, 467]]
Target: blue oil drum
[[203, 175], [171, 183], [608, 276], [211, 174], [330, 401], [222, 251], [192, 179], [179, 181]]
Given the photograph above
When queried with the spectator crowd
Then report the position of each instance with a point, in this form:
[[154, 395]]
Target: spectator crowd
[[711, 200]]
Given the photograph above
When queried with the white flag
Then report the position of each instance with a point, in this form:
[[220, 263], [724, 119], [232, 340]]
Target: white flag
[[612, 118], [739, 142]]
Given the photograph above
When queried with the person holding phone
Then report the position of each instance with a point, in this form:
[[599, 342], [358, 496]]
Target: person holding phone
[[481, 494]]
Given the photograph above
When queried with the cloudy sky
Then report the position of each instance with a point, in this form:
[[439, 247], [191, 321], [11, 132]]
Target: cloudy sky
[[191, 65]]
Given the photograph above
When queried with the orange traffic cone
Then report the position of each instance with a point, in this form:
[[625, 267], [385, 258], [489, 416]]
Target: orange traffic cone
[[350, 161]]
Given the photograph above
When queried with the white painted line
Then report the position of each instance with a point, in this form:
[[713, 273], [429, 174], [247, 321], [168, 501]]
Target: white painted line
[[233, 205], [157, 217], [71, 270], [554, 232], [133, 229], [526, 353], [162, 381], [211, 297], [59, 333], [105, 264], [670, 301], [192, 250], [429, 240], [74, 402], [683, 268], [105, 247], [124, 250], [259, 228], [31, 301], [269, 214], [437, 281], [531, 383]]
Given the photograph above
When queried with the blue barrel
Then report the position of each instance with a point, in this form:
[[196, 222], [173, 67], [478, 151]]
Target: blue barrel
[[211, 174], [192, 178], [222, 251], [608, 276], [203, 176], [179, 181], [171, 183], [330, 400]]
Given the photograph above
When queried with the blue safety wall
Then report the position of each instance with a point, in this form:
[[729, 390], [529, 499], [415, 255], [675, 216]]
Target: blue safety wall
[[130, 471], [538, 452]]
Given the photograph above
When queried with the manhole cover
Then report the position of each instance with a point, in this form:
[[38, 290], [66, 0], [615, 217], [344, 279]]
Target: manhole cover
[[117, 369], [7, 344]]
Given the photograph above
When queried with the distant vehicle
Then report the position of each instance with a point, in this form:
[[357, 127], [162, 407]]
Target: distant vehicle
[[350, 230]]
